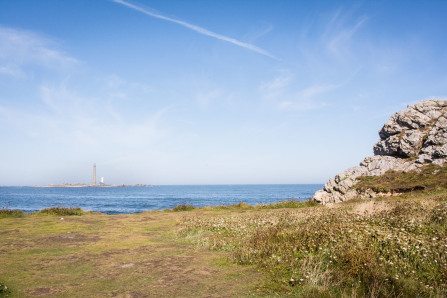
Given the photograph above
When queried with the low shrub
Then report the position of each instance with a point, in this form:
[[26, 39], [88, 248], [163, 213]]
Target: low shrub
[[11, 213], [183, 207], [237, 206], [61, 211], [292, 203]]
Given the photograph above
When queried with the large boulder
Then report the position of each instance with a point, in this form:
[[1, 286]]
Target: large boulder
[[410, 139]]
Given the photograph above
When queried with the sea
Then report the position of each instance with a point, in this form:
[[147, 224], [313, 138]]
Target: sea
[[116, 200]]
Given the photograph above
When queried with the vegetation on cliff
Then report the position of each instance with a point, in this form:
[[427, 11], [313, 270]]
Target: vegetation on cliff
[[431, 177]]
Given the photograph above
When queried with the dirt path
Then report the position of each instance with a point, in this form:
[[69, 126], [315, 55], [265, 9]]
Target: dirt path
[[120, 255]]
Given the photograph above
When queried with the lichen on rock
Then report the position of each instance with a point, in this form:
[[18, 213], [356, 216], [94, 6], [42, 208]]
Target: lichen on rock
[[410, 139]]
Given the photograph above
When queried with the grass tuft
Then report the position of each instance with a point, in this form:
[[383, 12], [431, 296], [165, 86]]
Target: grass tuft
[[4, 290], [61, 211], [183, 207], [292, 203], [11, 213]]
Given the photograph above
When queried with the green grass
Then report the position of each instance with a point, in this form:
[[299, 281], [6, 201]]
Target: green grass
[[4, 291], [121, 255], [429, 178], [11, 213], [292, 203], [183, 207], [61, 211]]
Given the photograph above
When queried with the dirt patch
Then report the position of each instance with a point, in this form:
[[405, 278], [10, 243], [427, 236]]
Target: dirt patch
[[147, 218], [69, 238], [41, 292], [10, 232], [111, 253], [117, 217], [370, 207]]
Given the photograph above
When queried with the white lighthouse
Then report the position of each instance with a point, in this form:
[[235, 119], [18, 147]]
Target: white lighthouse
[[94, 174]]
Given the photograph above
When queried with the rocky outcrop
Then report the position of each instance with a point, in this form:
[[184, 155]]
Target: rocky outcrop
[[410, 139]]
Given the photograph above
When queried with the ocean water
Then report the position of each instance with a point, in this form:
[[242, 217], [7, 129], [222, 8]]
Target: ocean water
[[116, 200]]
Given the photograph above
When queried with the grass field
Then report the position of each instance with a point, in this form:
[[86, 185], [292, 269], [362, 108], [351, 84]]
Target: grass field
[[112, 255], [375, 248]]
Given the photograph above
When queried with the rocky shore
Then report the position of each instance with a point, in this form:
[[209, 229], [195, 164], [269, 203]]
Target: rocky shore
[[411, 139]]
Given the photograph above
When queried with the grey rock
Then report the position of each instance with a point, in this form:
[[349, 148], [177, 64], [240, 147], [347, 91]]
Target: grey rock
[[410, 139]]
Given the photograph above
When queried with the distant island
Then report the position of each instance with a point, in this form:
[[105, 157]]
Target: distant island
[[91, 185], [94, 184]]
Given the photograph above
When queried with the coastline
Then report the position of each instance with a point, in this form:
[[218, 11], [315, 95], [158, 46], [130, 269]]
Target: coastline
[[165, 252]]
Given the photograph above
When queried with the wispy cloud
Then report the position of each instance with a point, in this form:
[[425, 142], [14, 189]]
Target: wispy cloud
[[307, 98], [198, 29], [302, 105], [276, 87], [279, 82], [344, 35], [95, 123], [258, 33], [205, 98], [281, 93], [338, 33], [315, 90], [20, 48], [12, 70]]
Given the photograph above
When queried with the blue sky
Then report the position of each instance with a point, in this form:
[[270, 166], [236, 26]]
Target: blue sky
[[208, 92]]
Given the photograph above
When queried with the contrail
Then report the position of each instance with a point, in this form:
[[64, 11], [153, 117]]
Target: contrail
[[198, 29]]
